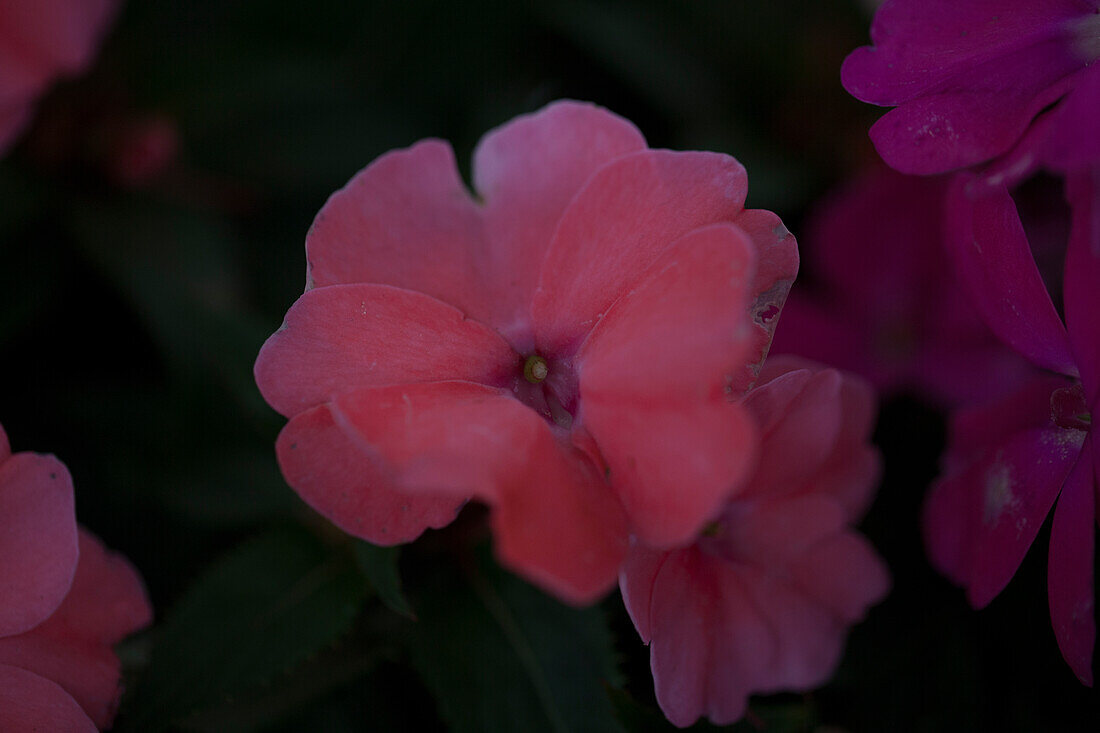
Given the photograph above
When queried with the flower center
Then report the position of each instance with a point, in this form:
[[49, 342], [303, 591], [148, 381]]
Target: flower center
[[549, 387], [535, 369], [1068, 408]]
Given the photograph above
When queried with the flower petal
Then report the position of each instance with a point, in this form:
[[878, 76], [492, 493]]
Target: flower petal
[[38, 540], [555, 521], [527, 171], [653, 377], [844, 574], [1082, 279], [617, 226], [1069, 573], [74, 646], [405, 220], [1073, 141], [990, 251], [334, 476], [345, 337], [32, 703]]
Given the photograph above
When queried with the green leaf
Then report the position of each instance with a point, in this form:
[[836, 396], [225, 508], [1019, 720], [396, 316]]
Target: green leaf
[[379, 566], [269, 605], [501, 656]]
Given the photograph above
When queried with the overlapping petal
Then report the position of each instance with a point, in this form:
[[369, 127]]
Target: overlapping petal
[[1082, 279], [654, 374], [345, 337], [32, 703]]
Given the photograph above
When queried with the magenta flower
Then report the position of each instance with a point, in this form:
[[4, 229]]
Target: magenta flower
[[1009, 462], [762, 601], [41, 40], [64, 602], [969, 78], [560, 348], [887, 305]]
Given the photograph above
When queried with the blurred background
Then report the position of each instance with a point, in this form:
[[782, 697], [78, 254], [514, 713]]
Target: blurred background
[[152, 221]]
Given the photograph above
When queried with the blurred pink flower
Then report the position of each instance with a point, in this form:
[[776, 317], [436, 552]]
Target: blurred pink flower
[[762, 601], [887, 305], [64, 602], [969, 79], [1009, 462], [41, 40], [561, 347]]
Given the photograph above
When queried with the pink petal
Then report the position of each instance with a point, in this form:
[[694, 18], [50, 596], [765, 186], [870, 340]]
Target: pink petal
[[653, 375], [844, 574], [57, 34], [344, 337], [341, 482], [990, 251], [74, 646], [852, 473], [31, 703], [617, 226], [527, 171], [1082, 279], [1069, 575], [38, 540], [405, 220], [555, 521], [969, 78], [772, 532], [799, 414], [636, 580]]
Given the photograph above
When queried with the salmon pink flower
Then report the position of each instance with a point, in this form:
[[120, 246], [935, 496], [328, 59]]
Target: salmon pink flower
[[887, 305], [64, 601], [762, 601], [561, 348], [968, 79], [41, 40]]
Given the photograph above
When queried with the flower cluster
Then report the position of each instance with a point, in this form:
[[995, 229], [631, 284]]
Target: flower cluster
[[64, 601], [576, 348], [997, 91]]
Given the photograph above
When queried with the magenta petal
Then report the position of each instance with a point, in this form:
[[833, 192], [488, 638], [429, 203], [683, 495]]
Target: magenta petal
[[1073, 141], [628, 213], [32, 703], [38, 540], [991, 253], [527, 171], [345, 337], [74, 646], [653, 380], [1069, 578], [555, 521], [1082, 279], [334, 476], [405, 220], [1017, 487]]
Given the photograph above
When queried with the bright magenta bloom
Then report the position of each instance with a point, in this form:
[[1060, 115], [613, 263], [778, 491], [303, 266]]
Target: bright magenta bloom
[[561, 348], [39, 41], [762, 601], [887, 304], [64, 602]]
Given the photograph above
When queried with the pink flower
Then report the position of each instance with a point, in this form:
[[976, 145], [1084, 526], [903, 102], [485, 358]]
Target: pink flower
[[41, 40], [762, 601], [64, 602], [970, 78], [1009, 462], [887, 305], [560, 348]]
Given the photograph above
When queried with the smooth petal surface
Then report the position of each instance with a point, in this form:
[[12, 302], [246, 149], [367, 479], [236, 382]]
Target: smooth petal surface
[[527, 171], [350, 488], [38, 540], [31, 703], [74, 646], [990, 250], [1082, 279], [1069, 573], [344, 337], [555, 521], [1073, 141], [405, 220], [653, 381], [618, 225]]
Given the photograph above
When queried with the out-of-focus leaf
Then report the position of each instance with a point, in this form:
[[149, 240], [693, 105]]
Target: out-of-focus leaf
[[265, 608], [243, 489], [499, 655], [379, 566]]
